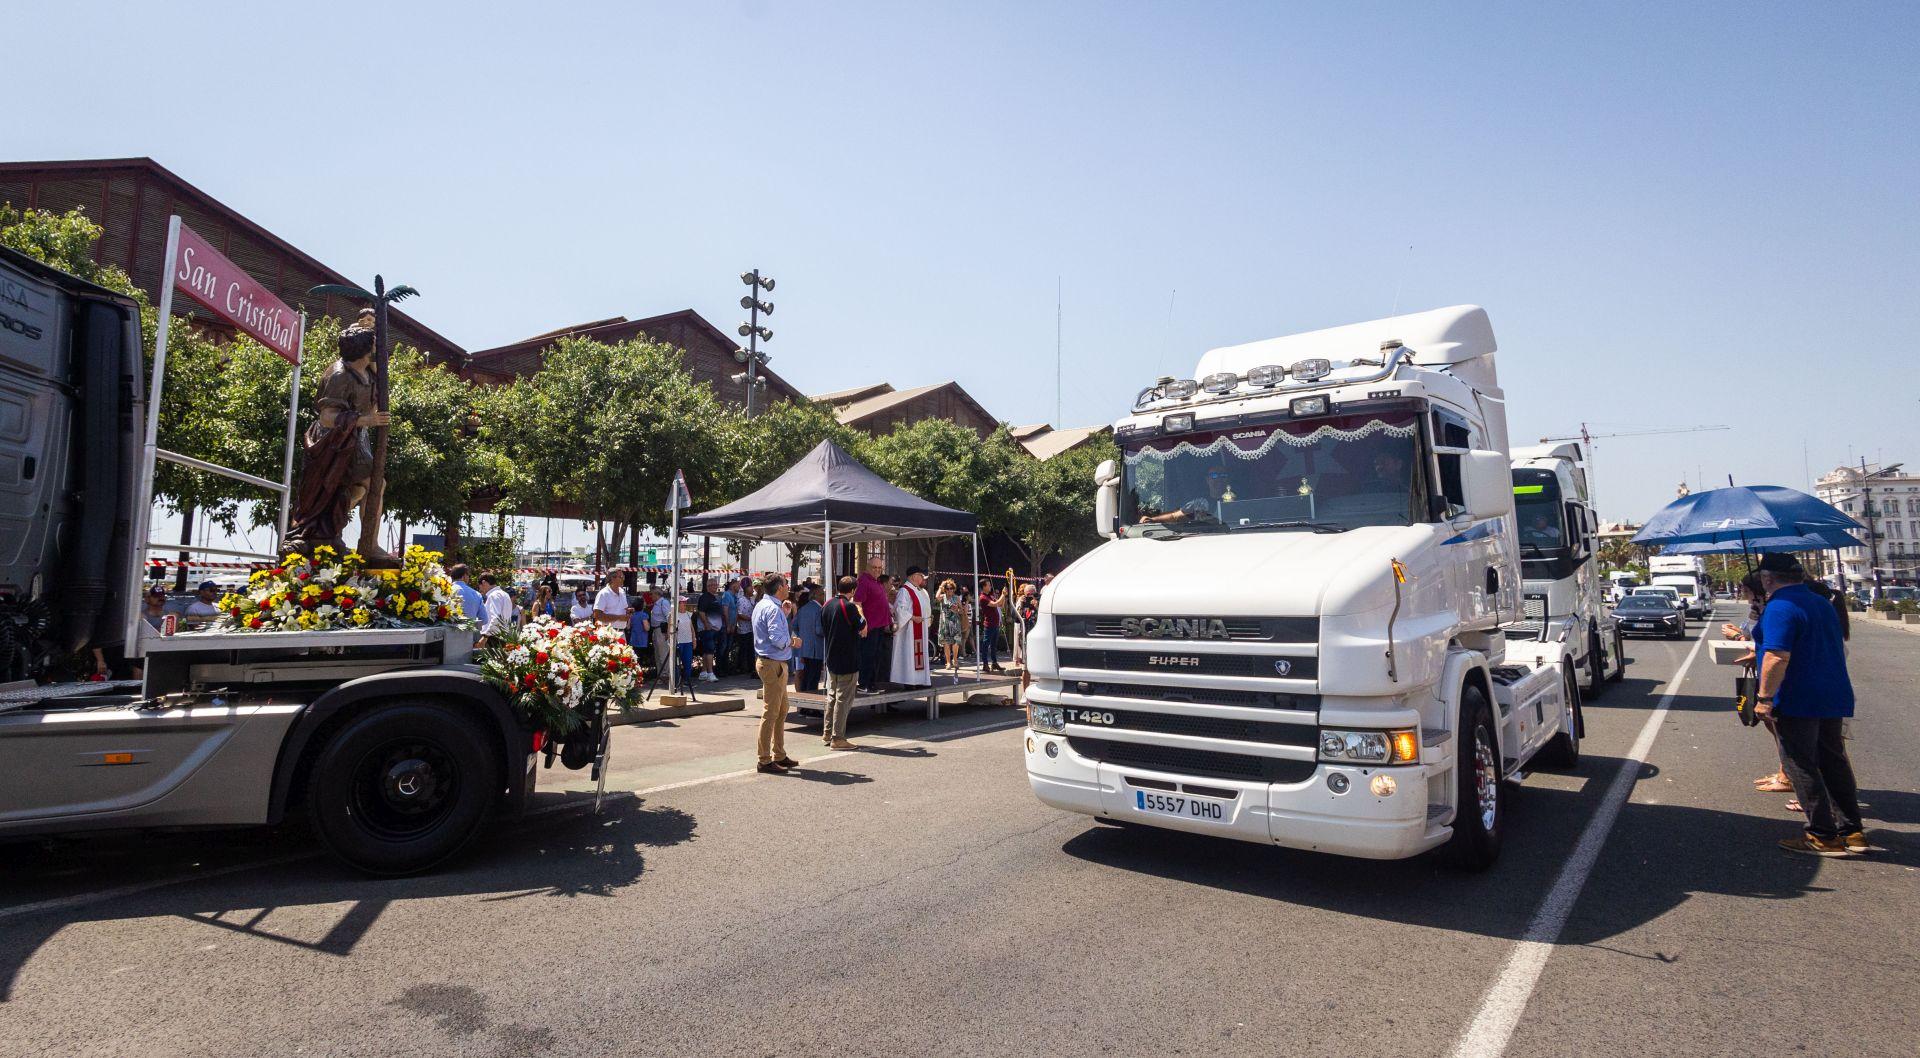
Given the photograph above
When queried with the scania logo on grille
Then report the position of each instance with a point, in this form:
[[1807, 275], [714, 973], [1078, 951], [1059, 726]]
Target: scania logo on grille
[[1173, 659], [1281, 666], [1174, 628]]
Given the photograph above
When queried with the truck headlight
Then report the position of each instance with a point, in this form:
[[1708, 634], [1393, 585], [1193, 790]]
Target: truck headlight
[[1400, 746], [1049, 718]]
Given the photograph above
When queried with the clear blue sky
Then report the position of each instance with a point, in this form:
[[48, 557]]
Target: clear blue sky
[[1675, 214]]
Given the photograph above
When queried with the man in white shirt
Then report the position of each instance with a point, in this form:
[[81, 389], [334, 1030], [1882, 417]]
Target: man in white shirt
[[610, 606], [498, 623], [582, 609], [202, 609], [660, 618]]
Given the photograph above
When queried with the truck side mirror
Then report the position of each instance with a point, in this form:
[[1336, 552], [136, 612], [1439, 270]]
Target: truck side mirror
[[1487, 479], [1106, 499]]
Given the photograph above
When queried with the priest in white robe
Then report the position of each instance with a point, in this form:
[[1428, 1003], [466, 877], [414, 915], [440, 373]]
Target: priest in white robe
[[913, 632]]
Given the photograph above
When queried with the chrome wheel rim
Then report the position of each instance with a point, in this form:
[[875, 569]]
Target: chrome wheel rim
[[1486, 780]]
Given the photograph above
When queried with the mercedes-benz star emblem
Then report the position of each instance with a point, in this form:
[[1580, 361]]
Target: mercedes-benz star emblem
[[409, 785]]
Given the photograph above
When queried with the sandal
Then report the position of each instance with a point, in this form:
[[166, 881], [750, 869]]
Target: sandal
[[1793, 806], [1774, 786]]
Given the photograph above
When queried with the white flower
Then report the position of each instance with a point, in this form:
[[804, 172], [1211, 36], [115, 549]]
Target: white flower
[[518, 656]]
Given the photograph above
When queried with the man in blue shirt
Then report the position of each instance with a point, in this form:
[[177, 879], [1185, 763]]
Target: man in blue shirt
[[729, 621], [471, 603], [1805, 689], [773, 645]]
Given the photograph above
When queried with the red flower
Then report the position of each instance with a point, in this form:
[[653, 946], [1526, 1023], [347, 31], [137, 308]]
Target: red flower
[[304, 574], [326, 595], [254, 622], [540, 657], [346, 602], [413, 596], [441, 612], [279, 571], [264, 605], [527, 681], [552, 632], [613, 664], [309, 603]]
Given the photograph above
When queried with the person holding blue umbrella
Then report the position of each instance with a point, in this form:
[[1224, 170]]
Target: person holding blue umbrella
[[1805, 690]]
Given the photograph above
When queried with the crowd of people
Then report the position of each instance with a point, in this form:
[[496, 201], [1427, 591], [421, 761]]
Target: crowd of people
[[1804, 696]]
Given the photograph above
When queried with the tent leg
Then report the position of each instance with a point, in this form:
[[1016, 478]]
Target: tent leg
[[973, 547], [826, 560]]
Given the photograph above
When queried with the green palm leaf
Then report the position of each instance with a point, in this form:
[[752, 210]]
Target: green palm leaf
[[342, 290]]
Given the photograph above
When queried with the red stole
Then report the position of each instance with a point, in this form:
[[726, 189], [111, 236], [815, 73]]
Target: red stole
[[919, 631]]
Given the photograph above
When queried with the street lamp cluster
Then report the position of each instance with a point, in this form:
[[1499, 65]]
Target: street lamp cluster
[[752, 330]]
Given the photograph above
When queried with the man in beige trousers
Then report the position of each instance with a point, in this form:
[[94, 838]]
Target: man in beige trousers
[[773, 647]]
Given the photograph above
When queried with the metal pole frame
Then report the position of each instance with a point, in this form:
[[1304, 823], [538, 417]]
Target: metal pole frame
[[293, 419], [973, 548], [149, 461], [673, 618]]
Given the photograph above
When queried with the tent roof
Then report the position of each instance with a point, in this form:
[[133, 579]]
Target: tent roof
[[829, 486]]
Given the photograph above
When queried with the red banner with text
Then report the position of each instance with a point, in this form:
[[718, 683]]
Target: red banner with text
[[219, 284]]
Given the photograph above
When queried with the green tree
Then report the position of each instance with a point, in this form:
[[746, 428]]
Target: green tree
[[1052, 508], [602, 428]]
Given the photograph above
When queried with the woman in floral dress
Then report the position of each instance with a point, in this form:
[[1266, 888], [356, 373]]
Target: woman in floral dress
[[948, 633]]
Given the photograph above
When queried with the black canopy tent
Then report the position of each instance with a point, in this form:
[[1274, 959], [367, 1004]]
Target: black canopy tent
[[829, 497]]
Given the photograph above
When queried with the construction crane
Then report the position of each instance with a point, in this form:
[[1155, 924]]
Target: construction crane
[[1587, 437]]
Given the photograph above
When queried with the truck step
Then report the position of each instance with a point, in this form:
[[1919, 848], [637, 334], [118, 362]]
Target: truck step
[[26, 695]]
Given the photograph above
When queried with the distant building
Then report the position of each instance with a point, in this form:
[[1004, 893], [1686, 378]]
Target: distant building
[[1885, 499], [1043, 442], [709, 352], [131, 199], [879, 409]]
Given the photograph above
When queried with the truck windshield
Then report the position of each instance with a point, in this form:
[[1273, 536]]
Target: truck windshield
[[1544, 551], [1331, 473]]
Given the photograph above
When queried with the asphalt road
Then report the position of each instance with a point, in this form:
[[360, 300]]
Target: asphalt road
[[916, 899]]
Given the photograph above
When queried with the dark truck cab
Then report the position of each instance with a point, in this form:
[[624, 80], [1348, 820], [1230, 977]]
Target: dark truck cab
[[392, 745]]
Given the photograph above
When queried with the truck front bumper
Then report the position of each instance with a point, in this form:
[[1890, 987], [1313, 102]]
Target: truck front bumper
[[1306, 815]]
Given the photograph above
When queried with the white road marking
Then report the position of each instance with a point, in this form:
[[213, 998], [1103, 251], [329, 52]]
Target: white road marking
[[1506, 1000], [83, 899]]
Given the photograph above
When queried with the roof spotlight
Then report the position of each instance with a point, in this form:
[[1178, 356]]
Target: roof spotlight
[[1311, 370], [1220, 382], [1181, 389], [1266, 375]]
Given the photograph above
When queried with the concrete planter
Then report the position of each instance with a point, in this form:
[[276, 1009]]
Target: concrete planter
[[1911, 618]]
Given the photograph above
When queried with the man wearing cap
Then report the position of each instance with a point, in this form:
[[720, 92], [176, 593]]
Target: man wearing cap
[[1805, 689], [202, 609]]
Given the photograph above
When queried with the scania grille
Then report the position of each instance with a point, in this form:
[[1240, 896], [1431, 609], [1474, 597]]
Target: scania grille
[[1172, 659], [1197, 695], [1267, 731], [1200, 762], [1176, 629]]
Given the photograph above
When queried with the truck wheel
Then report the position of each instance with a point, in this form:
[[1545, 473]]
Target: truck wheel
[[1596, 667], [402, 787], [1563, 752], [1479, 810]]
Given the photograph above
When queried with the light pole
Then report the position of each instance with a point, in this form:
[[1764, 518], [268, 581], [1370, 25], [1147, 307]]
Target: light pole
[[751, 357]]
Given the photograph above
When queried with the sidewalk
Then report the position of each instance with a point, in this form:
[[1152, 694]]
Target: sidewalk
[[658, 753]]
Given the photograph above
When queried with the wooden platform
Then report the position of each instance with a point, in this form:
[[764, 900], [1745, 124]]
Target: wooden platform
[[944, 685]]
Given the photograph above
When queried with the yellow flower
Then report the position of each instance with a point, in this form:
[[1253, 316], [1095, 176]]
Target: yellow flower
[[294, 559], [361, 617], [418, 611], [324, 549]]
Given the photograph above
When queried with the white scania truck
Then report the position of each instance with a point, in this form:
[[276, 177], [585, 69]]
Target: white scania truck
[[1295, 634], [1563, 602]]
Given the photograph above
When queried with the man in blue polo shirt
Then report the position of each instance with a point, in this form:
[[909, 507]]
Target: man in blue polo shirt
[[1805, 689]]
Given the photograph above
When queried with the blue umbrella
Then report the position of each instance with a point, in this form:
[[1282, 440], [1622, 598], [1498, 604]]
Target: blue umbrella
[[1741, 514], [1824, 540]]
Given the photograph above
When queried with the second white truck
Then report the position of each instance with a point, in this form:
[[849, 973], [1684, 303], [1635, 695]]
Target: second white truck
[[1562, 598], [1296, 633]]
